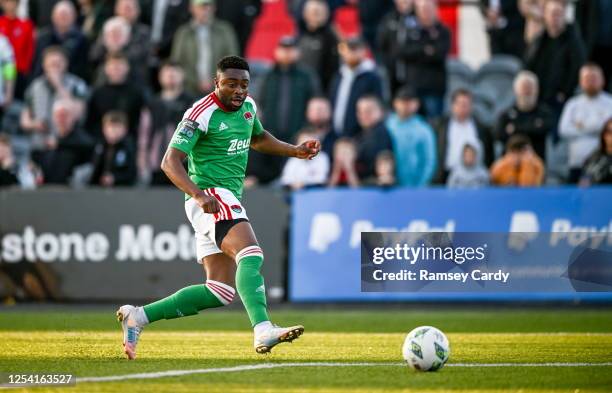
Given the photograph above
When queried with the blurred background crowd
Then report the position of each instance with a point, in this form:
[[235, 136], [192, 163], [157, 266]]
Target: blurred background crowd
[[92, 90]]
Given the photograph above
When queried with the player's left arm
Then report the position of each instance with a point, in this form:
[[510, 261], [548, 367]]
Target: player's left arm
[[266, 143]]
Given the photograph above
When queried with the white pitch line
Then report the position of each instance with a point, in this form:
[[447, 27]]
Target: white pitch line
[[263, 366], [602, 364]]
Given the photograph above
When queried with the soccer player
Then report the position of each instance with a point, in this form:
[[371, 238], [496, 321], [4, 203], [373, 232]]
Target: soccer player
[[215, 136]]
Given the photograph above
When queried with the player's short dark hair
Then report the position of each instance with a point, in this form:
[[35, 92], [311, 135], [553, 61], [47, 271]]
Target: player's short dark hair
[[518, 143], [461, 92], [235, 62], [55, 50], [115, 117]]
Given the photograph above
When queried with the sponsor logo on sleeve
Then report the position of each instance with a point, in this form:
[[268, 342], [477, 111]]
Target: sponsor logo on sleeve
[[185, 131]]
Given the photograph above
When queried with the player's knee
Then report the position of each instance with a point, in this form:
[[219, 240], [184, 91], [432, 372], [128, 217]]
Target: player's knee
[[250, 251], [225, 293]]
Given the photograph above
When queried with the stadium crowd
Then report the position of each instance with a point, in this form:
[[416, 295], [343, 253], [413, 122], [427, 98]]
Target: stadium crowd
[[91, 92]]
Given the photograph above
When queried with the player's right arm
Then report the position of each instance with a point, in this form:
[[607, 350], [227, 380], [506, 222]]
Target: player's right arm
[[185, 137]]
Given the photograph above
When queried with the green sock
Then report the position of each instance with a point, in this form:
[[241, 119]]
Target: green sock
[[250, 284], [187, 301]]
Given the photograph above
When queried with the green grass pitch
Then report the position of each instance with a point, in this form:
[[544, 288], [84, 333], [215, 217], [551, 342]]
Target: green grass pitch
[[87, 344]]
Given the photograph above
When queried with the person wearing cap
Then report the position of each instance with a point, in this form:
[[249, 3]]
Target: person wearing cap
[[199, 43], [356, 78], [283, 96], [414, 141]]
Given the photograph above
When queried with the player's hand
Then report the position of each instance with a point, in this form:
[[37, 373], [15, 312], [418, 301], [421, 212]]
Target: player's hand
[[207, 203], [308, 150]]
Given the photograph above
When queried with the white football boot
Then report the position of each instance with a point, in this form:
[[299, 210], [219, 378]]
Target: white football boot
[[131, 330], [266, 340]]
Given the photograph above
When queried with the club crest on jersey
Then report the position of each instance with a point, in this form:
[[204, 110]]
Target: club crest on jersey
[[248, 116], [236, 208]]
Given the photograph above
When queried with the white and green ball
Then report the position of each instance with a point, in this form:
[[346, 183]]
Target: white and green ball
[[426, 349]]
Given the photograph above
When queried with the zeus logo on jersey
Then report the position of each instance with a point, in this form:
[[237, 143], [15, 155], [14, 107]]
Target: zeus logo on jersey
[[238, 146]]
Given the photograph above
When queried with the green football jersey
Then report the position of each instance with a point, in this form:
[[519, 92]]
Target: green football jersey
[[217, 142]]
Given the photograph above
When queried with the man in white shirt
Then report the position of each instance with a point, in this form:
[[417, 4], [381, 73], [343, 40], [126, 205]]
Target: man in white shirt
[[583, 118], [456, 131]]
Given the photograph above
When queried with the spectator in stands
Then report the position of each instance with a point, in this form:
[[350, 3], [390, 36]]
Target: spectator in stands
[[8, 73], [384, 170], [470, 173], [593, 17], [455, 131], [318, 42], [556, 57], [40, 12], [241, 14], [199, 44], [505, 26], [68, 149], [114, 158], [64, 32], [285, 91], [414, 142], [527, 116], [392, 35], [424, 55], [318, 118], [344, 167], [20, 33], [8, 165], [371, 14], [164, 17], [167, 110], [533, 12], [116, 94], [12, 172], [598, 168], [138, 48], [298, 174], [520, 166], [583, 118], [117, 38], [283, 96], [94, 13], [357, 77], [374, 136], [55, 83]]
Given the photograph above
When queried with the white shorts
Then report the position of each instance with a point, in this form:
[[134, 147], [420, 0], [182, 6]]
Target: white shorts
[[204, 223]]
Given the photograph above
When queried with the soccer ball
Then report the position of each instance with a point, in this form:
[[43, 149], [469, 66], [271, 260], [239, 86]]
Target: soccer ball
[[426, 349]]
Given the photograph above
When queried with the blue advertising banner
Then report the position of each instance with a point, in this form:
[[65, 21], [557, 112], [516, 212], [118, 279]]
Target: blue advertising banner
[[325, 257]]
